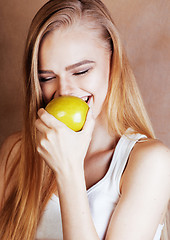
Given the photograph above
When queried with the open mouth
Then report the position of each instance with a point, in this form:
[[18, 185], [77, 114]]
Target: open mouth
[[86, 99]]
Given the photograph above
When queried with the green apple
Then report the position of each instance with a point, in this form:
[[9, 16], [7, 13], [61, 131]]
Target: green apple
[[70, 110]]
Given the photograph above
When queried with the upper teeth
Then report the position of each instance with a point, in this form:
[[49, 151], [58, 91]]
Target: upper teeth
[[85, 98]]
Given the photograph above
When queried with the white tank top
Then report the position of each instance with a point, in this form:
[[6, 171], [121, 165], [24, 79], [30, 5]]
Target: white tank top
[[103, 196]]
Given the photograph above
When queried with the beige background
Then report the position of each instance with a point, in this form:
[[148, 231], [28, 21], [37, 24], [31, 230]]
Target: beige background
[[145, 30]]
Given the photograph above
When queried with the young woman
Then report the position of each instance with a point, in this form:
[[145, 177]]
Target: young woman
[[108, 181]]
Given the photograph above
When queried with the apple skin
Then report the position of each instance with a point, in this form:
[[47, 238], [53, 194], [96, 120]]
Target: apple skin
[[70, 110]]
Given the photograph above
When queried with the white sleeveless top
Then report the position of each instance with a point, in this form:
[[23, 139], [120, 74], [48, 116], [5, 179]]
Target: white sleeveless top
[[103, 196]]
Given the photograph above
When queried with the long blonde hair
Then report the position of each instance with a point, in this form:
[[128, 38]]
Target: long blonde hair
[[35, 183]]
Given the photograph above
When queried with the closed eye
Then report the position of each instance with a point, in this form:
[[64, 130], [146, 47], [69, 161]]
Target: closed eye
[[45, 79], [81, 72]]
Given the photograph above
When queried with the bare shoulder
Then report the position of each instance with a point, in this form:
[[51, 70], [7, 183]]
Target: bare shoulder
[[144, 191], [149, 161], [9, 150], [152, 152]]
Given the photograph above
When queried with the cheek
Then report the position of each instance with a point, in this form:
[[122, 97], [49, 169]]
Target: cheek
[[49, 89], [101, 89], [102, 82], [100, 94]]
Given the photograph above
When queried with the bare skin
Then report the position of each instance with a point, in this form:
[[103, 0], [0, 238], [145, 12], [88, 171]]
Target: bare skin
[[74, 169], [148, 153], [137, 181]]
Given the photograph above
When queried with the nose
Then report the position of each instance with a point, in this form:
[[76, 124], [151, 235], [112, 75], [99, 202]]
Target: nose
[[65, 87]]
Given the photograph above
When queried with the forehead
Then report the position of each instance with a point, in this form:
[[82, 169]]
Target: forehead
[[77, 36], [86, 27], [66, 46]]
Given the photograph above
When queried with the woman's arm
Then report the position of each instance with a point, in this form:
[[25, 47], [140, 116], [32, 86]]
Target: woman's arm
[[145, 193], [64, 151], [145, 184]]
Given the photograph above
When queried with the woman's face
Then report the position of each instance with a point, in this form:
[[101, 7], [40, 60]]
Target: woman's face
[[73, 62]]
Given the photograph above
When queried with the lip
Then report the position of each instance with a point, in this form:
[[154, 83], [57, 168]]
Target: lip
[[87, 99]]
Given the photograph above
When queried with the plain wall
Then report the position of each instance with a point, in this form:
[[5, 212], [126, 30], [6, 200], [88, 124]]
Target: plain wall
[[145, 31]]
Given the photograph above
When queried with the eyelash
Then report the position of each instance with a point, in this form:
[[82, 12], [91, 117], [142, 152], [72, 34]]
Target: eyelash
[[81, 73], [41, 79]]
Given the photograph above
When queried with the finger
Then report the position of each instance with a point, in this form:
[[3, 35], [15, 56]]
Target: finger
[[42, 151], [42, 143], [40, 126], [49, 120]]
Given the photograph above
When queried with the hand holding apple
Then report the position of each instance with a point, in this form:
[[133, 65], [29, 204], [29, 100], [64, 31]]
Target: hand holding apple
[[57, 144]]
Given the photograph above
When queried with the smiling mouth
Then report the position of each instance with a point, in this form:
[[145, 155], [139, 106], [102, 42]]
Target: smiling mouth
[[86, 99]]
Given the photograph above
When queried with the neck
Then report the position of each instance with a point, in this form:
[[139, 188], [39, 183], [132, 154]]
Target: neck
[[101, 141]]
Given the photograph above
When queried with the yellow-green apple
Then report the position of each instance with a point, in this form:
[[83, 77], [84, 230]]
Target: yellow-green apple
[[70, 110]]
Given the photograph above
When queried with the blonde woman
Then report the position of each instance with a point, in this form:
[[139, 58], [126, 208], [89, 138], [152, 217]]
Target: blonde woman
[[110, 180]]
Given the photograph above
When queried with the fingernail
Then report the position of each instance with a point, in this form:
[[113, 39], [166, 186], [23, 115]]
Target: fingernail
[[41, 111]]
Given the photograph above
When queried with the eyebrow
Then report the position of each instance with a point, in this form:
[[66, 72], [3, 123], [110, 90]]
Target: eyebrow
[[45, 71], [84, 62], [78, 64]]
